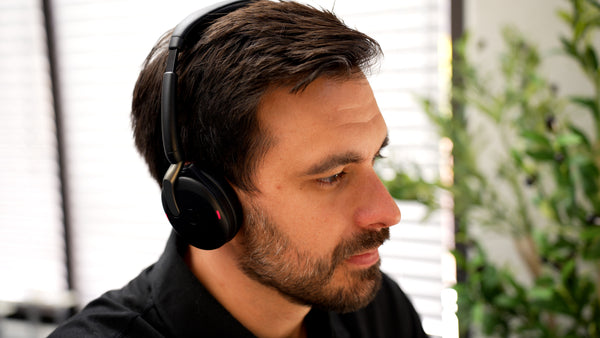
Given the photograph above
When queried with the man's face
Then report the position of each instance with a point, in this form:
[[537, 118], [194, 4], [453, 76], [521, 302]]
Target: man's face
[[313, 229]]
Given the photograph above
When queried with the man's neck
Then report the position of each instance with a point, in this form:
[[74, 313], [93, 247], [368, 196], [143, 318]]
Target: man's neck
[[261, 309]]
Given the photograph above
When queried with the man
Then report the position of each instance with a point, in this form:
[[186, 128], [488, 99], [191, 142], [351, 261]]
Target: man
[[273, 98]]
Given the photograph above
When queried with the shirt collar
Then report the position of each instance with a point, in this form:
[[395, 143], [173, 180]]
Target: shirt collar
[[183, 303]]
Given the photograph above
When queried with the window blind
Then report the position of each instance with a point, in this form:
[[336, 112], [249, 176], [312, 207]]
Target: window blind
[[31, 244]]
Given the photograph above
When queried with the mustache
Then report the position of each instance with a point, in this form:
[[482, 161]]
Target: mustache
[[362, 242]]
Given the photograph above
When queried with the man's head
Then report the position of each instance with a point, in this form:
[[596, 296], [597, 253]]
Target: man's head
[[274, 97], [224, 74]]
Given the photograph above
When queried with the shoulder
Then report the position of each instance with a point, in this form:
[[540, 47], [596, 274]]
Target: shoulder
[[390, 314], [128, 312]]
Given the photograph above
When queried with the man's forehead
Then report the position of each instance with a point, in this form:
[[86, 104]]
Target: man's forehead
[[325, 102]]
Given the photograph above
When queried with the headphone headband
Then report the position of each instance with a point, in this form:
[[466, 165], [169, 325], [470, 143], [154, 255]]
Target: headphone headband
[[194, 23], [201, 19]]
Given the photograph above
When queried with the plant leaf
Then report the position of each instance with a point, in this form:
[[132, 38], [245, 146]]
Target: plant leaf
[[588, 103], [568, 139], [590, 58], [536, 138], [582, 135], [569, 47], [565, 16]]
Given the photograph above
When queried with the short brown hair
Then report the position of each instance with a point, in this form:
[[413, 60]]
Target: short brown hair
[[224, 74]]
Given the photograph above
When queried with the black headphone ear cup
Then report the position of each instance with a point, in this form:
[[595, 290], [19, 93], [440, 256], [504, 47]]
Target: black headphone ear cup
[[210, 212]]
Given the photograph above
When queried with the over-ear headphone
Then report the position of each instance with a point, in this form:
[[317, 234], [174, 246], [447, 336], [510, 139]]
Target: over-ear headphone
[[202, 207]]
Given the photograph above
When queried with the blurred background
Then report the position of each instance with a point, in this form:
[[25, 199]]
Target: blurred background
[[79, 213]]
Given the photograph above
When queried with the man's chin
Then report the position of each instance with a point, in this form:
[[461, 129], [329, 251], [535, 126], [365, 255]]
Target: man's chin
[[355, 290]]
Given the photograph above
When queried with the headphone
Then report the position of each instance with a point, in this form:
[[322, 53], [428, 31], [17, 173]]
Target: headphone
[[202, 207]]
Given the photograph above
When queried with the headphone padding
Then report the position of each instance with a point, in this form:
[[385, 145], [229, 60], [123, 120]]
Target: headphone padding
[[210, 212]]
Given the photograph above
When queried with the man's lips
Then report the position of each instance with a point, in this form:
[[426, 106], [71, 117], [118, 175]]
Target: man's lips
[[365, 259]]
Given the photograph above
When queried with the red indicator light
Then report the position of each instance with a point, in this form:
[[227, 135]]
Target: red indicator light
[[218, 214]]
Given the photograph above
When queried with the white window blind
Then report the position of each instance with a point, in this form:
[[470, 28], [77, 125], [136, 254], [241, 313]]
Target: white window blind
[[119, 227], [31, 247], [117, 220]]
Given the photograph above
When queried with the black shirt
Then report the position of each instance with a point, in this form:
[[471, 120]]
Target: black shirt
[[166, 300]]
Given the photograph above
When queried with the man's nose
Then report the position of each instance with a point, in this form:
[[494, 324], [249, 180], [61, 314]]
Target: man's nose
[[377, 208]]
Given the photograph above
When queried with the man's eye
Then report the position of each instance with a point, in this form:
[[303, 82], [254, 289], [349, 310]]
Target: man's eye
[[378, 156], [331, 180]]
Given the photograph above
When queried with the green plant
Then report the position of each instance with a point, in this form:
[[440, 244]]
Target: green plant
[[543, 191]]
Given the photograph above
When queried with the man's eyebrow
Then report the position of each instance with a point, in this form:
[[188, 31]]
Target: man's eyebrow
[[332, 162], [339, 160]]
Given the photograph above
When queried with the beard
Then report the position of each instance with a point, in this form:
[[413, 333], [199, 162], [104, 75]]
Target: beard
[[270, 258]]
